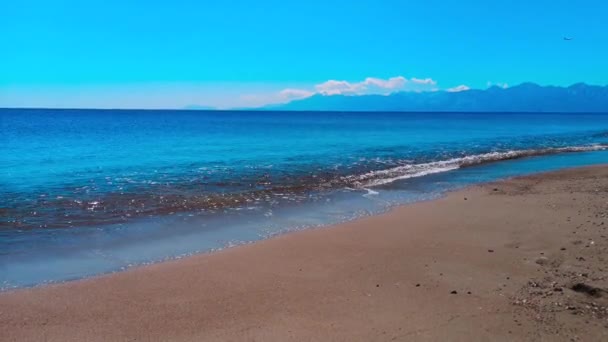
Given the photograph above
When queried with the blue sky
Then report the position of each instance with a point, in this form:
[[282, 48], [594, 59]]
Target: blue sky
[[169, 54]]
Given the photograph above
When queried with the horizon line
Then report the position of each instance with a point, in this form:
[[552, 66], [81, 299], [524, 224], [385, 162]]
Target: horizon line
[[272, 106], [294, 110]]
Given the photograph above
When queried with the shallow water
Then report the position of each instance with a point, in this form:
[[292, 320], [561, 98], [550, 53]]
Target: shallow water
[[90, 192]]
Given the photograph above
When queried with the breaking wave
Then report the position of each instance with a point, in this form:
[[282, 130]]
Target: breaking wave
[[381, 177]]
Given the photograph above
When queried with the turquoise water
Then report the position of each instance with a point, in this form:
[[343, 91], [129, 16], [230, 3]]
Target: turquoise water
[[84, 192]]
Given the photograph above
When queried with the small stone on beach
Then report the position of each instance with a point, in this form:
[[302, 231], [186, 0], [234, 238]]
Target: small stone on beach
[[587, 289], [454, 292]]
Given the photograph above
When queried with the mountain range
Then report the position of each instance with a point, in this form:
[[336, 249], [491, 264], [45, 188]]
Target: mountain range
[[526, 97]]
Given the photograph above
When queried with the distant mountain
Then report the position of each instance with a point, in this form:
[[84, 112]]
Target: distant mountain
[[526, 97]]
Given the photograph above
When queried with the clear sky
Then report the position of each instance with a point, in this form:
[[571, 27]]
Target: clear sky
[[169, 54]]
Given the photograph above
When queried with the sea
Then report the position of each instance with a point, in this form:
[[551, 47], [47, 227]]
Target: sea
[[90, 192]]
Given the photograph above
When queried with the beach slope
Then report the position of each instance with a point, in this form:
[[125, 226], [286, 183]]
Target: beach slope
[[521, 259]]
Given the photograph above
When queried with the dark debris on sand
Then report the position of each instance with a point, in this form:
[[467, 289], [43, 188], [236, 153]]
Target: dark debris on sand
[[571, 291]]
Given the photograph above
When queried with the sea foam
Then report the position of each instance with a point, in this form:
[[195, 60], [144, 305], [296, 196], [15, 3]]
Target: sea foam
[[382, 177]]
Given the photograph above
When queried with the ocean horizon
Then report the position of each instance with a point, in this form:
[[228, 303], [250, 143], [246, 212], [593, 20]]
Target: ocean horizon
[[87, 192]]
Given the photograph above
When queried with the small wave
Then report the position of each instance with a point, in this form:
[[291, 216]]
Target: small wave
[[94, 207], [381, 177], [370, 192]]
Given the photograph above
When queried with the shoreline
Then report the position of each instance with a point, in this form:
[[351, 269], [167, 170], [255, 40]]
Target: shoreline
[[355, 272], [102, 266], [276, 235]]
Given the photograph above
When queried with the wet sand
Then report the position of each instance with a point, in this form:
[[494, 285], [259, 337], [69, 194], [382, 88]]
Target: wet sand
[[522, 259]]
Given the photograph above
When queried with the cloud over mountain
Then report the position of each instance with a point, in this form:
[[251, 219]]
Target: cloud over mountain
[[459, 88], [370, 85], [526, 97]]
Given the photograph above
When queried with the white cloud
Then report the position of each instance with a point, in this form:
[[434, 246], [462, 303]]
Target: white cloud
[[428, 81], [333, 87], [370, 85], [497, 84], [459, 88], [391, 83]]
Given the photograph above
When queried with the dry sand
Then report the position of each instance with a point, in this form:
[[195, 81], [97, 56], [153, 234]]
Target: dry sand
[[492, 262]]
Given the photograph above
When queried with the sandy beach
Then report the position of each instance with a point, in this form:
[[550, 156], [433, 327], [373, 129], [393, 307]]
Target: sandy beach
[[522, 259]]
